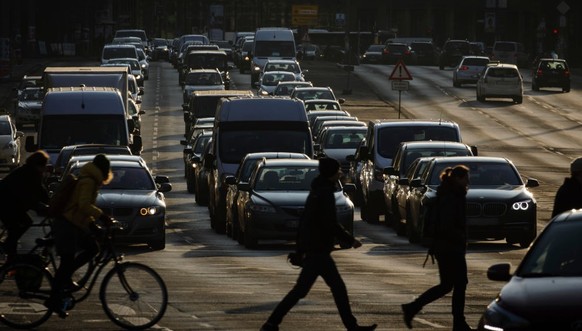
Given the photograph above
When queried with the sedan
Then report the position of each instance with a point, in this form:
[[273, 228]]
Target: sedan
[[273, 200], [373, 54], [545, 291], [202, 80], [499, 203], [285, 88], [468, 70], [28, 107], [394, 52], [269, 80], [193, 148], [338, 142], [134, 198]]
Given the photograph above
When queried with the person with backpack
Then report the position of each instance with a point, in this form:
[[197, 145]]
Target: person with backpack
[[74, 230], [22, 190], [449, 247], [317, 233]]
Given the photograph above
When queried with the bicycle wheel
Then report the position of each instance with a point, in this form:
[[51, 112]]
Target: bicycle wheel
[[133, 296], [23, 290]]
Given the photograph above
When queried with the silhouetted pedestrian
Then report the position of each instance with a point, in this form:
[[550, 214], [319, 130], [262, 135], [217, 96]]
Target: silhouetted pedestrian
[[569, 195], [318, 230], [449, 247]]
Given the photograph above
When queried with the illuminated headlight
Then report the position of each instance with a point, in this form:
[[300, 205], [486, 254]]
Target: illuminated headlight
[[263, 209], [256, 69], [247, 58], [143, 65], [138, 77], [149, 211], [521, 205], [496, 318]]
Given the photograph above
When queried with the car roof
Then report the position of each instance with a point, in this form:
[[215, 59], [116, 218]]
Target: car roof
[[409, 122], [501, 65], [430, 143], [471, 159], [321, 101], [274, 155], [289, 162]]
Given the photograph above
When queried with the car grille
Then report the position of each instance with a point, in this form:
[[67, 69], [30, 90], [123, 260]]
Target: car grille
[[293, 211], [118, 212], [489, 209]]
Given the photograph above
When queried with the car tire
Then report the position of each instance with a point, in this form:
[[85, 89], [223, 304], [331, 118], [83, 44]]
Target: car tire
[[190, 184], [566, 89], [456, 83], [249, 240], [534, 86], [480, 98], [159, 244], [518, 99]]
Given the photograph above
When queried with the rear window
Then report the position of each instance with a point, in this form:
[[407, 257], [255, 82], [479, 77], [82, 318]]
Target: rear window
[[503, 73], [475, 62], [119, 52], [553, 65], [389, 138]]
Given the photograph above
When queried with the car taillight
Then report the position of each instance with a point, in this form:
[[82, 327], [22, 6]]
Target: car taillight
[[463, 68], [540, 73], [566, 73], [385, 52], [407, 52]]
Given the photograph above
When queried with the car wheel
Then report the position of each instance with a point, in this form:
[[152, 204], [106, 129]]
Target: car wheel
[[158, 244], [534, 86], [518, 99], [456, 83], [566, 89], [190, 184], [249, 240], [480, 98]]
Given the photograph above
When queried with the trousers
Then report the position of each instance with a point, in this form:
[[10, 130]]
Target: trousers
[[315, 265]]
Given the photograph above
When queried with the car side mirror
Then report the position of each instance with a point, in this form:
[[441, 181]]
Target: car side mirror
[[474, 150], [390, 171], [532, 183], [244, 187], [415, 183], [164, 187], [349, 188], [499, 272], [230, 180], [341, 101]]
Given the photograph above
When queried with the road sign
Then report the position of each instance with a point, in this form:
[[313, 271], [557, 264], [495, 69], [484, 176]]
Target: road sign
[[400, 85], [400, 72]]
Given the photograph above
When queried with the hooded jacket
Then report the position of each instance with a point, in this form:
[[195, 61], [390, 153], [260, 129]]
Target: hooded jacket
[[452, 219], [319, 227], [81, 210], [22, 190], [569, 196]]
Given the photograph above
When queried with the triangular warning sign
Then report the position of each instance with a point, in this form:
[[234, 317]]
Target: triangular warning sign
[[400, 72]]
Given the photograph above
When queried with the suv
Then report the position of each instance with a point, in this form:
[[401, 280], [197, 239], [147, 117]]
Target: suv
[[549, 72], [500, 80], [382, 141], [453, 51]]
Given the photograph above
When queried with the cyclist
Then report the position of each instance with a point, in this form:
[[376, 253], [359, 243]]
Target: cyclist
[[74, 231], [21, 191]]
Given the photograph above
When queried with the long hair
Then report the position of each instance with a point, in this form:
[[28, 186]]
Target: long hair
[[448, 176]]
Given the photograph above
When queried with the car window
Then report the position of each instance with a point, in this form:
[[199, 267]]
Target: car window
[[375, 48], [482, 174], [201, 144], [285, 178], [5, 129], [130, 179], [389, 138], [475, 62], [503, 73]]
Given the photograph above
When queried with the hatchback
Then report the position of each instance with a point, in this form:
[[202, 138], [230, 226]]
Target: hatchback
[[9, 143], [500, 80], [468, 70], [394, 52], [551, 73], [545, 290]]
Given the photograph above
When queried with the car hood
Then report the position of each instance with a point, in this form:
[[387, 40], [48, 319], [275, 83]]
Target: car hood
[[505, 193], [281, 198], [339, 154], [129, 198], [5, 140], [543, 298]]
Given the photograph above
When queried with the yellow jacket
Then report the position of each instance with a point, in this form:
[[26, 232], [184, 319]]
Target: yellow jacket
[[81, 209]]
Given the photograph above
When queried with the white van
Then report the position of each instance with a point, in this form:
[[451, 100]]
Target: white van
[[271, 43], [510, 52]]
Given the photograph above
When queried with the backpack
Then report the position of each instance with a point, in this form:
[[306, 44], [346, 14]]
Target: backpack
[[62, 195]]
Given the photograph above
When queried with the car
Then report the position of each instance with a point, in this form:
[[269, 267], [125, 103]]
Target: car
[[544, 291], [452, 53], [9, 143], [316, 92], [201, 80], [27, 81], [199, 125], [338, 142], [69, 151], [225, 46], [510, 52], [135, 90], [133, 64], [285, 65], [469, 69], [118, 51], [500, 204], [144, 63], [373, 54], [382, 141], [269, 80], [406, 154], [193, 149], [500, 80], [285, 88], [206, 59], [425, 51], [243, 56], [394, 52], [134, 198], [307, 51], [28, 107], [353, 175], [161, 49], [332, 123], [201, 173], [315, 106], [272, 202], [243, 175], [548, 72], [134, 111], [318, 121]]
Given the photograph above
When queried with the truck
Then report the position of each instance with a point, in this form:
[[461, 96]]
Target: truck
[[271, 43], [82, 115]]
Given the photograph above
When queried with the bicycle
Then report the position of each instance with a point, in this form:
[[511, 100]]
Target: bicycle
[[133, 295]]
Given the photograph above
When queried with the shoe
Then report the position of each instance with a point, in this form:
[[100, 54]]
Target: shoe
[[57, 307], [269, 327], [409, 310], [364, 328]]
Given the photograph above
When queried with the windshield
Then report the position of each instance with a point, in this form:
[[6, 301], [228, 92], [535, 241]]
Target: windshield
[[5, 129], [344, 139], [558, 252], [201, 143], [285, 178], [482, 174], [59, 131], [119, 52], [130, 178], [204, 78], [275, 48], [235, 144], [207, 61], [389, 138]]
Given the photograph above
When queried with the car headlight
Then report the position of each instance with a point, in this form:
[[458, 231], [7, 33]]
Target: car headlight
[[143, 66], [263, 209], [521, 205], [497, 318], [137, 77], [150, 211], [256, 69]]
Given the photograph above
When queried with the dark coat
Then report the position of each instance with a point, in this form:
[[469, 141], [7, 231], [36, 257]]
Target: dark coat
[[569, 196], [22, 190], [451, 230], [319, 227]]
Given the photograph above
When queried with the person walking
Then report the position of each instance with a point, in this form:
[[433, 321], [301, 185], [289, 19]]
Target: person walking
[[569, 195], [22, 190], [449, 247], [317, 233], [74, 230]]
